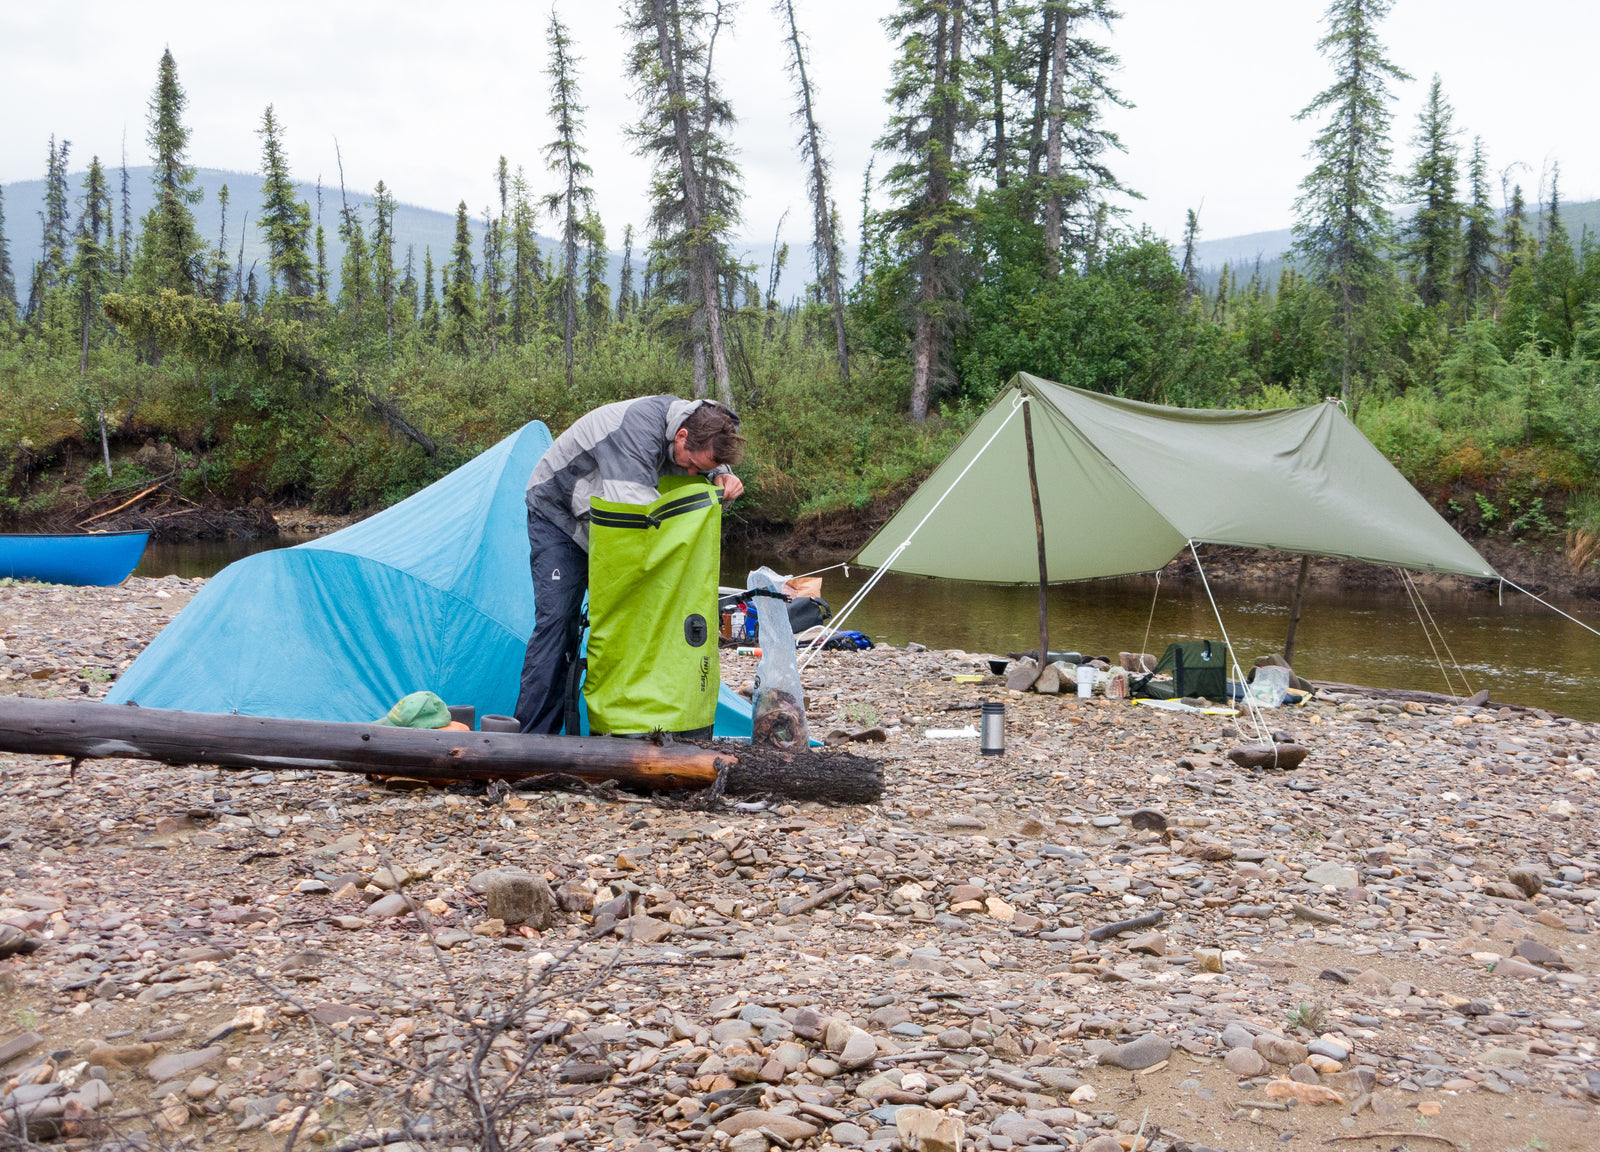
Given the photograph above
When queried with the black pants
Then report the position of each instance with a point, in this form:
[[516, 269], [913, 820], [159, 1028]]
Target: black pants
[[560, 578]]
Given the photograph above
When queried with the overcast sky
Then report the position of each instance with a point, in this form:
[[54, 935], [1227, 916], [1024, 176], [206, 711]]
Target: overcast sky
[[426, 96]]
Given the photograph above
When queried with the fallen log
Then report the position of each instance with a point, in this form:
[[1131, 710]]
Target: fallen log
[[1480, 700], [826, 774], [104, 731]]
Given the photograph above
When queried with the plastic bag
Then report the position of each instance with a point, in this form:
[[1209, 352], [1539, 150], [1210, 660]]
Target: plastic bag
[[778, 713], [1269, 687]]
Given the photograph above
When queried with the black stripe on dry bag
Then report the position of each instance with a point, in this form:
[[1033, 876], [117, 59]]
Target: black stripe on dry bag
[[606, 518]]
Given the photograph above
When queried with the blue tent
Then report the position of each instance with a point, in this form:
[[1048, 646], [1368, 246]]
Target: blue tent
[[433, 593]]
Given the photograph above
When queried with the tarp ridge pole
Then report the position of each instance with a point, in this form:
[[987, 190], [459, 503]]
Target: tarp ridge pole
[[1547, 604], [1038, 527], [1250, 708], [838, 620]]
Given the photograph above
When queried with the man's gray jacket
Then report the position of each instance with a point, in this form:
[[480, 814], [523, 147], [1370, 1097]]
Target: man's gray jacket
[[617, 452]]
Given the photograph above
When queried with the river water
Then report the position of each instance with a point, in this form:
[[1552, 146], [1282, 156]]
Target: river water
[[1522, 652]]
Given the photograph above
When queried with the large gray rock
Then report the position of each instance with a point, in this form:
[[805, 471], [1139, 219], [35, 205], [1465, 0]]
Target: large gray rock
[[1021, 675], [520, 898], [1245, 1062], [1144, 1052], [1335, 874], [1238, 1036], [1280, 1050], [860, 1051], [176, 1064]]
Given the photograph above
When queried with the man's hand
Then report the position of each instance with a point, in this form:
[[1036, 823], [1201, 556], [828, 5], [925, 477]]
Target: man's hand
[[732, 487]]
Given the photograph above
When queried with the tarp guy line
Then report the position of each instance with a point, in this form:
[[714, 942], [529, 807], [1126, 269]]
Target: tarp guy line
[[1256, 718], [832, 630]]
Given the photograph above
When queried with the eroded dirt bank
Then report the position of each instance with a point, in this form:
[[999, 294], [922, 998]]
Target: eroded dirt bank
[[222, 956]]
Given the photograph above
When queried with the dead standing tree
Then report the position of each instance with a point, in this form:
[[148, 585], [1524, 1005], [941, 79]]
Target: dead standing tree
[[564, 156], [825, 241], [695, 191]]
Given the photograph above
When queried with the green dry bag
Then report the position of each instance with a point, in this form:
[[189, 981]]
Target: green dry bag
[[653, 610]]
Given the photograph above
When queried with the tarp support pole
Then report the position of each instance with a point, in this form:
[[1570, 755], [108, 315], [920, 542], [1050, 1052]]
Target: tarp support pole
[[1038, 527], [1294, 608]]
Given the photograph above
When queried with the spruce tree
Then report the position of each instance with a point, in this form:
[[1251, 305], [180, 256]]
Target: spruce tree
[[285, 220], [221, 269], [8, 277], [824, 240], [383, 284], [1514, 239], [430, 305], [1433, 234], [695, 193], [596, 263], [1475, 278], [171, 251], [355, 269], [625, 296], [1191, 236], [125, 237], [322, 249], [460, 296], [409, 290], [55, 240], [931, 214], [493, 318], [92, 268], [524, 262], [1343, 207], [574, 198], [93, 259]]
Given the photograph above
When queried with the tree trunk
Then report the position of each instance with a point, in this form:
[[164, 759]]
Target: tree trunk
[[1295, 603], [996, 41], [700, 386], [1041, 83], [921, 358], [1056, 115], [827, 242], [105, 444]]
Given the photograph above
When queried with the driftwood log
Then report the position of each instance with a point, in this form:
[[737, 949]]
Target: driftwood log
[[824, 774], [1481, 700], [104, 731]]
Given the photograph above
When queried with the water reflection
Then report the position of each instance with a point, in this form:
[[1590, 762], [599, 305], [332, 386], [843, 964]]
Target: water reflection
[[1523, 653]]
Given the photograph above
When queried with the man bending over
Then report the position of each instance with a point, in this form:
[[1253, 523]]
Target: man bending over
[[618, 452]]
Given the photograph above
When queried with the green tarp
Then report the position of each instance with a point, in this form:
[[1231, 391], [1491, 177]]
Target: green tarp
[[1124, 485], [653, 611]]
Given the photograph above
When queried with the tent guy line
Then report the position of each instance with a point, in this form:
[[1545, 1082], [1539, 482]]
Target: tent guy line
[[843, 613]]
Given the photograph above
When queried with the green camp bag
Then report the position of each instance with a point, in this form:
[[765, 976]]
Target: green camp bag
[[1198, 667], [653, 610]]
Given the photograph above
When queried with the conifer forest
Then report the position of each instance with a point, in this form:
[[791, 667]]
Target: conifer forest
[[1449, 306]]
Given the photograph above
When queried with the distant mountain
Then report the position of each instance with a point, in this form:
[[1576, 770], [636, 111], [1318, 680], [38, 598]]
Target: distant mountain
[[1265, 253], [421, 228]]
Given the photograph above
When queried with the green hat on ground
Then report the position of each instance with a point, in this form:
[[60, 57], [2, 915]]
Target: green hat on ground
[[418, 710]]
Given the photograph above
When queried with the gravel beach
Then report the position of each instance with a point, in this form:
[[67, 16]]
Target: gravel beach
[[1392, 945]]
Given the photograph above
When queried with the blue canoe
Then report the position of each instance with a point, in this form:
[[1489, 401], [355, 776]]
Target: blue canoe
[[102, 558]]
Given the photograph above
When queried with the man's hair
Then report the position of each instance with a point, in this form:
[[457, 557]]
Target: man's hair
[[713, 426]]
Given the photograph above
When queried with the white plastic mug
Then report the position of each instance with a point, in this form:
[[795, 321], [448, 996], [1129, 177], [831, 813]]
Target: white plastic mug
[[1086, 679]]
